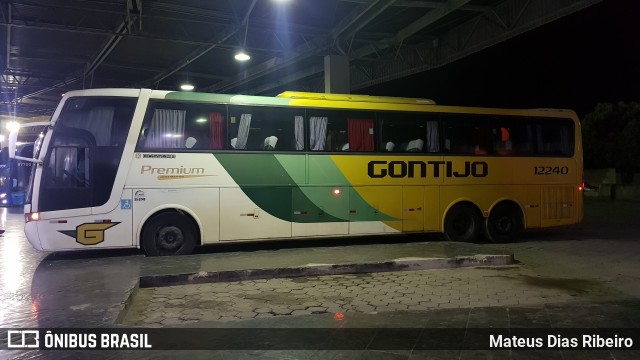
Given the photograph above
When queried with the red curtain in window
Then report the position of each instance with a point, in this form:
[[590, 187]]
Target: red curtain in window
[[360, 133], [215, 125]]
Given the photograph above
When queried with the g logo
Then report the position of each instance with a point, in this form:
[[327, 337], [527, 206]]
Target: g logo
[[89, 233]]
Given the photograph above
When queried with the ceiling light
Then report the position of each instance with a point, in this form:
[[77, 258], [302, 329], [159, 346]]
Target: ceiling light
[[13, 126], [242, 56], [187, 87]]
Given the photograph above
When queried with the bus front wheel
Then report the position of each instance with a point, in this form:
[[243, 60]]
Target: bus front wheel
[[503, 224], [461, 224], [169, 233]]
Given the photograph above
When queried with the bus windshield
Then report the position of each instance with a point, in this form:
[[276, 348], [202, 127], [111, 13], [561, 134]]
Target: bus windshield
[[84, 153]]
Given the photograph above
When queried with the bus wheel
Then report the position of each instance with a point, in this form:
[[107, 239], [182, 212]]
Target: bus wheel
[[169, 233], [461, 224], [503, 224]]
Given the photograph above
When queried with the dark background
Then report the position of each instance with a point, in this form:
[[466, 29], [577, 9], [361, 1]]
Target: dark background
[[574, 62]]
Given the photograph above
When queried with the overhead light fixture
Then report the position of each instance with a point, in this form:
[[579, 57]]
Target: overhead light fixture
[[187, 87], [13, 126], [242, 56]]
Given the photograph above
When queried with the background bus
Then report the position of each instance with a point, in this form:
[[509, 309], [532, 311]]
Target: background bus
[[167, 171], [15, 175]]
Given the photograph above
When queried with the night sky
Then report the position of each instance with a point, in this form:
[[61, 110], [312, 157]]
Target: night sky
[[575, 62]]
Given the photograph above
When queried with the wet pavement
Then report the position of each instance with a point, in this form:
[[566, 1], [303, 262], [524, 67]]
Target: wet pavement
[[582, 277]]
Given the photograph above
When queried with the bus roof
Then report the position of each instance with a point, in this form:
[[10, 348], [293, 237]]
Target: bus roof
[[351, 101], [351, 97]]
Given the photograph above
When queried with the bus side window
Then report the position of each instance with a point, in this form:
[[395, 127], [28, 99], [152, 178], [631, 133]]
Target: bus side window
[[204, 129], [460, 138], [341, 131], [521, 138], [502, 144], [555, 138], [408, 132], [259, 128], [319, 137], [183, 125], [166, 129]]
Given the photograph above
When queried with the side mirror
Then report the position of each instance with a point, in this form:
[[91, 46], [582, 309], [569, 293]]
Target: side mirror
[[13, 142]]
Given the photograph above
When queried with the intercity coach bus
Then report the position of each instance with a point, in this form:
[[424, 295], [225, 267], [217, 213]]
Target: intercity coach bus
[[167, 171]]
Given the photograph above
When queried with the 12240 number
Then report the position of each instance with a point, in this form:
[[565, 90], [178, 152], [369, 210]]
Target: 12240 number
[[550, 170]]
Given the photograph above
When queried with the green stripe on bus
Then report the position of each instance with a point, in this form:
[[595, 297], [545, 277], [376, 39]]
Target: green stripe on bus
[[265, 181], [278, 185]]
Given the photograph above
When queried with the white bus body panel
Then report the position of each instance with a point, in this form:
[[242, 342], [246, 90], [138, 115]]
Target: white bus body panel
[[31, 231], [241, 218], [110, 230]]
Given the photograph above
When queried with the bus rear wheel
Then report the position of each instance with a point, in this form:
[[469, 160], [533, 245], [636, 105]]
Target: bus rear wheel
[[169, 233], [503, 224], [462, 224]]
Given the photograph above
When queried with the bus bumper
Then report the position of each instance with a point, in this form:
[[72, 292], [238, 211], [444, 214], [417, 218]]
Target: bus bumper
[[31, 230]]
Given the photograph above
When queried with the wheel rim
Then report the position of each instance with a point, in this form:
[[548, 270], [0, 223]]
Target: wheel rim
[[504, 224], [169, 238]]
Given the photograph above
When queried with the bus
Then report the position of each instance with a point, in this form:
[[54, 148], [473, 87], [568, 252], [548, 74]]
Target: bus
[[15, 174], [168, 171]]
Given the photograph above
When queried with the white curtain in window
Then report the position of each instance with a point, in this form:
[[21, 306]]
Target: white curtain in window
[[433, 141], [243, 131], [166, 130], [318, 129], [299, 132], [97, 121]]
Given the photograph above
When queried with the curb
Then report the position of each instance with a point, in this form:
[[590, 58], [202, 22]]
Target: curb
[[403, 264]]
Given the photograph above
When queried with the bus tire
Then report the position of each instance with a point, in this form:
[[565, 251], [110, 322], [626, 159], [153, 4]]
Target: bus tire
[[504, 223], [462, 224], [169, 233]]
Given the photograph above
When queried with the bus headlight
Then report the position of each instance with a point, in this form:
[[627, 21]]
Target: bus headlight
[[3, 195], [31, 217]]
